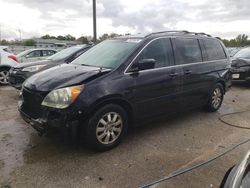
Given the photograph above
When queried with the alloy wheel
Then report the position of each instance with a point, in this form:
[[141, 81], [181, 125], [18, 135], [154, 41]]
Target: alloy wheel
[[4, 77], [217, 98], [109, 128]]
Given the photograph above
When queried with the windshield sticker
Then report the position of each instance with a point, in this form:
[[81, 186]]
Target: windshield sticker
[[134, 40]]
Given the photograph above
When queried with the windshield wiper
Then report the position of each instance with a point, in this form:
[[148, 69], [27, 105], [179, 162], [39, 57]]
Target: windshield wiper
[[87, 65]]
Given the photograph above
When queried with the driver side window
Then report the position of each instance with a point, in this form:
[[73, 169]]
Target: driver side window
[[160, 50], [36, 53]]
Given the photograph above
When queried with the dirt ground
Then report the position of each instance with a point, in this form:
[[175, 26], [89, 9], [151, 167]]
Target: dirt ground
[[146, 154]]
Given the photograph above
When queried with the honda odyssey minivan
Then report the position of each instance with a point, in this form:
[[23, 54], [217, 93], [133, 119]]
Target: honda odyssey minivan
[[125, 80]]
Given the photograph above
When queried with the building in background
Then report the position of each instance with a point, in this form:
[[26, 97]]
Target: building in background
[[54, 43]]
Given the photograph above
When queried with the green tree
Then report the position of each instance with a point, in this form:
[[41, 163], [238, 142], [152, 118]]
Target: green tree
[[29, 42], [83, 40], [70, 37], [4, 42], [241, 40], [48, 37], [107, 36], [60, 37]]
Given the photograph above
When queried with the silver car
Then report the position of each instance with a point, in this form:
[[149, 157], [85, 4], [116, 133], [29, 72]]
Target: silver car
[[34, 55]]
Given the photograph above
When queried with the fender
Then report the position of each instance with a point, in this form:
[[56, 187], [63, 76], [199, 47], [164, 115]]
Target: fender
[[116, 99], [5, 66]]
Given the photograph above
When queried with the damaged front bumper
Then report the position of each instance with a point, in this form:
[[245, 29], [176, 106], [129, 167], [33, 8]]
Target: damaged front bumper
[[49, 119], [241, 73]]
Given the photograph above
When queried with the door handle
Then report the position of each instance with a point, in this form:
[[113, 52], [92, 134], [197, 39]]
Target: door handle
[[187, 72], [173, 75]]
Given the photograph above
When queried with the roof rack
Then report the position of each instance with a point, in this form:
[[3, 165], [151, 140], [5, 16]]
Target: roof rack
[[176, 31]]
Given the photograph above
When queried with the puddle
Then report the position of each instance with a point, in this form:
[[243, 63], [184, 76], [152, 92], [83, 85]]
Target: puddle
[[14, 140]]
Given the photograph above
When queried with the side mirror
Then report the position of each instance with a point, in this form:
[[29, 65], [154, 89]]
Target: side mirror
[[143, 64]]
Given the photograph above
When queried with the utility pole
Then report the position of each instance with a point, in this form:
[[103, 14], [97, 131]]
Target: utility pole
[[0, 34], [94, 20], [20, 34]]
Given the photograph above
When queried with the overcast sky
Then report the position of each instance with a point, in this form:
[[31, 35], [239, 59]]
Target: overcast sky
[[223, 18]]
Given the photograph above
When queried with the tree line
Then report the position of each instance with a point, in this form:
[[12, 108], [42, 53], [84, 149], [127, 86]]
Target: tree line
[[239, 41]]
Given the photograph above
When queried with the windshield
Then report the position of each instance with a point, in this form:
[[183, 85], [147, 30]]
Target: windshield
[[244, 53], [23, 53], [65, 53], [108, 54]]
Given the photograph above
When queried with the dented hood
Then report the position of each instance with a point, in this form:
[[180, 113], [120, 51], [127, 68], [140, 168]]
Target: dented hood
[[240, 62], [63, 76]]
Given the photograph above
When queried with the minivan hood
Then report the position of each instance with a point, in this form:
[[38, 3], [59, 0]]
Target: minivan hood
[[240, 62], [62, 76]]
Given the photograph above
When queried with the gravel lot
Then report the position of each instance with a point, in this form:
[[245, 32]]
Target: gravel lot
[[147, 153]]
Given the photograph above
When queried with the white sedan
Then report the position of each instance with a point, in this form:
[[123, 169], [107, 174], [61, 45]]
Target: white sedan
[[7, 60]]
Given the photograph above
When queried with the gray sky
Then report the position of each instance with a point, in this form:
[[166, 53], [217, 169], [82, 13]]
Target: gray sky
[[223, 18]]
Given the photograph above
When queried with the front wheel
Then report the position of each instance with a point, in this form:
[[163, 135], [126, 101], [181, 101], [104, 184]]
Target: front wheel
[[4, 76], [215, 98], [106, 127]]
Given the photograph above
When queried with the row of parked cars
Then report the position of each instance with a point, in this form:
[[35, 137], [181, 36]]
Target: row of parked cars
[[8, 59], [102, 90]]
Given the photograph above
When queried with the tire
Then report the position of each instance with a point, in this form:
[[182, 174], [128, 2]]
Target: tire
[[106, 127], [215, 98], [4, 76]]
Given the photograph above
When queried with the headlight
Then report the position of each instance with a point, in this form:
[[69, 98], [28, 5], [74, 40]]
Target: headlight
[[62, 98], [33, 68]]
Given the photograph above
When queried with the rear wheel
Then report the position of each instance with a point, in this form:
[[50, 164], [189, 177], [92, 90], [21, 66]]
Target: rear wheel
[[106, 127], [216, 98], [4, 76]]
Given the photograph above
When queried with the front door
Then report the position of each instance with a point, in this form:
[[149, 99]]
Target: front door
[[156, 90]]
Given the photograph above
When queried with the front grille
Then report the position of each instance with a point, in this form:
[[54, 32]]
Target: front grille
[[32, 103], [14, 70]]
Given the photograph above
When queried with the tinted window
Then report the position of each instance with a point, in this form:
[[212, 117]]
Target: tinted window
[[48, 52], [65, 53], [187, 51], [214, 50], [36, 53], [160, 50]]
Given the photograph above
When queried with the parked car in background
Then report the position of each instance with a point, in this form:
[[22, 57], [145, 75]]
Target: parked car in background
[[241, 65], [35, 55], [232, 51], [20, 73], [125, 80], [7, 60]]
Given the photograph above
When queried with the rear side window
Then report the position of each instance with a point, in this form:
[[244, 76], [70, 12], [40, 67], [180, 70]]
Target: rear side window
[[48, 52], [187, 51], [213, 49], [160, 50]]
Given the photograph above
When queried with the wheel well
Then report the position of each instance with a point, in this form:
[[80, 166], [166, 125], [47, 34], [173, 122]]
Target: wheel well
[[223, 84], [123, 103]]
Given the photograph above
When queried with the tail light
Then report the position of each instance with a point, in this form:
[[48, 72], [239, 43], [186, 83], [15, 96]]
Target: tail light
[[13, 57]]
